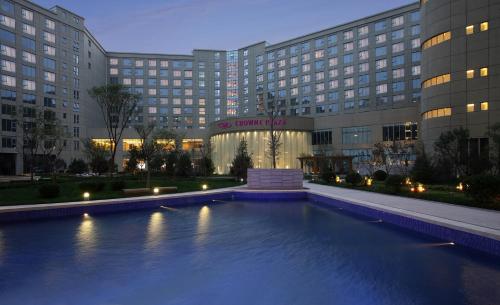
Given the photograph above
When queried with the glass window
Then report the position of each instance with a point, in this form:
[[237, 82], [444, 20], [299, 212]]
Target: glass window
[[356, 135]]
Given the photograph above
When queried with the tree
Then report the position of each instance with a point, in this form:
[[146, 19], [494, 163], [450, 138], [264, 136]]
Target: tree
[[53, 143], [133, 159], [422, 170], [184, 166], [274, 141], [451, 155], [42, 135], [494, 134], [97, 156], [205, 164], [117, 107], [242, 161], [77, 166], [150, 146]]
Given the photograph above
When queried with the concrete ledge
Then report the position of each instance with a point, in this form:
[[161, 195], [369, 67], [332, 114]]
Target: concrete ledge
[[274, 179]]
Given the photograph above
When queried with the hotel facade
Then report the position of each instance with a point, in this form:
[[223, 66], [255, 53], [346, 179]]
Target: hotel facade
[[406, 74]]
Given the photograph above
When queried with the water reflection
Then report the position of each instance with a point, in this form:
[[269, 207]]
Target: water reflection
[[155, 231], [2, 247], [203, 224], [86, 238]]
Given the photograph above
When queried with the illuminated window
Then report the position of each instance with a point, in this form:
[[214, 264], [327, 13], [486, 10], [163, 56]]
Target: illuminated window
[[483, 72], [438, 80], [470, 107], [437, 113], [470, 73], [469, 30], [484, 106], [483, 26], [436, 40]]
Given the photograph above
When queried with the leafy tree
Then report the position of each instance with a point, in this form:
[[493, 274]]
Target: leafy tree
[[422, 170], [451, 153], [242, 161], [133, 160], [184, 166], [326, 171], [97, 156], [43, 136], [494, 134], [77, 166], [205, 164], [117, 107]]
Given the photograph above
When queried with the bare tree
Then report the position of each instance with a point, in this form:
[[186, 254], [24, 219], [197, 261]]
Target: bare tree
[[117, 107], [273, 111]]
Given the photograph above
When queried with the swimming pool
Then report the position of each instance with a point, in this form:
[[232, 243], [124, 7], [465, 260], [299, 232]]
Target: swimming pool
[[237, 252]]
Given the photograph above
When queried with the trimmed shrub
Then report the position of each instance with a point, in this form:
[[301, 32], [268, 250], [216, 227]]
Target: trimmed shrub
[[482, 188], [380, 175], [353, 178], [51, 190], [394, 183], [91, 186], [118, 185]]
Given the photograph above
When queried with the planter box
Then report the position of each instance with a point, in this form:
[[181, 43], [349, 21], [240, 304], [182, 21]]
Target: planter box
[[274, 179]]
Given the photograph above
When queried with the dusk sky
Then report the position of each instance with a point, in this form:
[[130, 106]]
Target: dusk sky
[[179, 26]]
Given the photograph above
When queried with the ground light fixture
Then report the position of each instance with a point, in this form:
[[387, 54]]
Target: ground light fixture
[[204, 187], [337, 179], [369, 182], [156, 190], [86, 196], [419, 188], [460, 187]]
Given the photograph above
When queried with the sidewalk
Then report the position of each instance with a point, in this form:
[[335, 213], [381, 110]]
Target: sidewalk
[[473, 220]]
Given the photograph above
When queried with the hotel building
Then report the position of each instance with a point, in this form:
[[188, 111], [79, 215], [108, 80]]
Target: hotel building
[[402, 75]]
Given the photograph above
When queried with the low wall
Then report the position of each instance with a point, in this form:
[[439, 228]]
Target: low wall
[[274, 179]]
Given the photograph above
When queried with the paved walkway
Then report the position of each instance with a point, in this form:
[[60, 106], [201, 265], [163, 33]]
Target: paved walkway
[[474, 220]]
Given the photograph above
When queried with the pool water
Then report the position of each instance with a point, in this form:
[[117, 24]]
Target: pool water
[[236, 253]]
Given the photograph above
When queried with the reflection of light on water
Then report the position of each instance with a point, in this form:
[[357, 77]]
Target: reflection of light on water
[[203, 224], [2, 247], [432, 245], [86, 238], [155, 231]]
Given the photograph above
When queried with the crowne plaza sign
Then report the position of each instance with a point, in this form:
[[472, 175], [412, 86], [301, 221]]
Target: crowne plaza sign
[[261, 123], [251, 122]]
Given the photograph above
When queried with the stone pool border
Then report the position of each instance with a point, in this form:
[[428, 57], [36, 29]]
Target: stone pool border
[[435, 227]]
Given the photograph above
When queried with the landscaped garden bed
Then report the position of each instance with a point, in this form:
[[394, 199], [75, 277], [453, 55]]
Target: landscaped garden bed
[[72, 188]]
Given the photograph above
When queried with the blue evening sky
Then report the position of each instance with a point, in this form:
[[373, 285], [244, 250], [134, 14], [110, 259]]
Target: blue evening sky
[[179, 26]]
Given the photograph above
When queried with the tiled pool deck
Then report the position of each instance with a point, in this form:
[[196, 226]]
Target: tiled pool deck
[[471, 227]]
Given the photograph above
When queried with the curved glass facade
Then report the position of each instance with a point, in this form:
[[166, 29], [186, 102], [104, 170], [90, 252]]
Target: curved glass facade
[[293, 145]]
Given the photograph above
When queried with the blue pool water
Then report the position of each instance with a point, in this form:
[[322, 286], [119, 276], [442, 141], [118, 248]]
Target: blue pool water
[[236, 253]]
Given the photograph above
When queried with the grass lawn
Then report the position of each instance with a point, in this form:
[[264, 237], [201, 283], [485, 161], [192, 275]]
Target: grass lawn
[[442, 193], [18, 193]]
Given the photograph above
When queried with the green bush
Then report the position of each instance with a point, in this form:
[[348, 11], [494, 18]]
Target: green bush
[[77, 166], [394, 183], [380, 175], [482, 188], [51, 190], [353, 178], [118, 185], [91, 186]]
